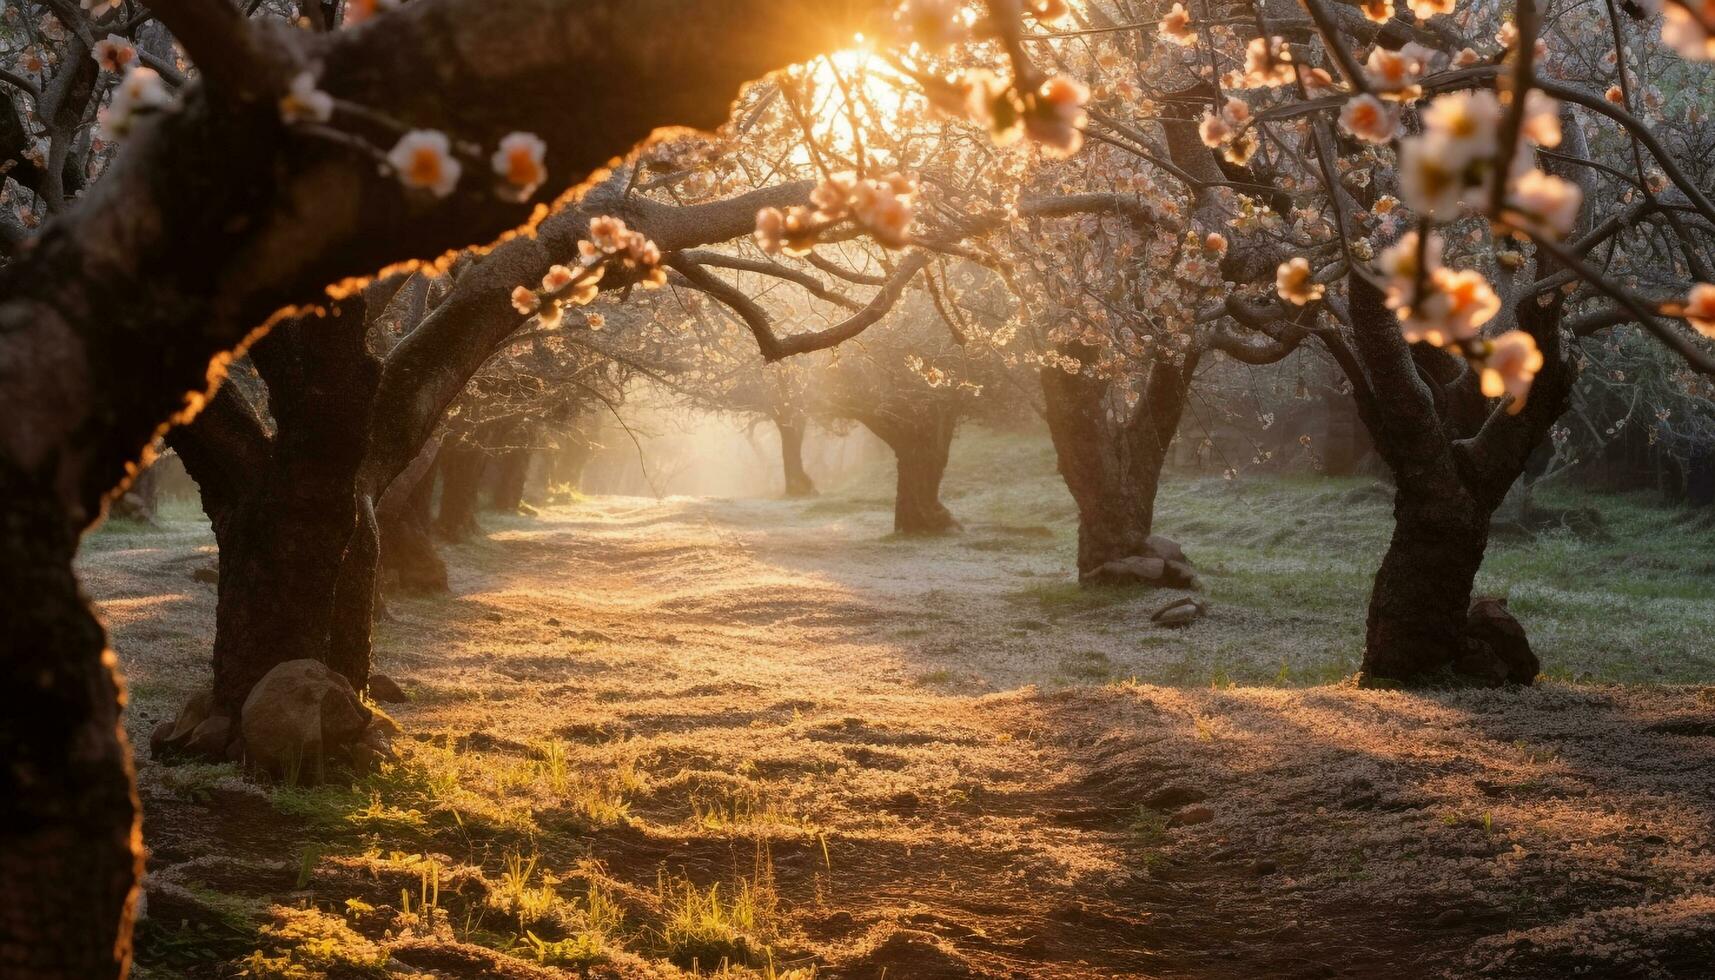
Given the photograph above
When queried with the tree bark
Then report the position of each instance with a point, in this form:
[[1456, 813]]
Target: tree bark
[[1453, 454], [1423, 589], [1110, 456], [352, 625], [71, 854], [917, 507], [511, 471], [461, 468], [798, 482], [286, 535], [921, 438], [406, 515]]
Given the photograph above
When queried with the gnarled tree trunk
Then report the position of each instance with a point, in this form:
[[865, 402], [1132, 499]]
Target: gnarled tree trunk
[[1423, 589], [792, 428], [405, 513], [1111, 456], [285, 505], [921, 438], [462, 466], [1453, 454], [71, 854]]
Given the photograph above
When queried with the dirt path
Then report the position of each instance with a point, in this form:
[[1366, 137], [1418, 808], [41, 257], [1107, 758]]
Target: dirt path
[[747, 666], [877, 737]]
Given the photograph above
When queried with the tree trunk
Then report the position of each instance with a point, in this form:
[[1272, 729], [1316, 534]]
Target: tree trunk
[[70, 837], [1111, 458], [798, 482], [461, 487], [139, 501], [921, 439], [1423, 589], [917, 507], [99, 345], [405, 513], [511, 473], [351, 627], [286, 510], [1419, 404]]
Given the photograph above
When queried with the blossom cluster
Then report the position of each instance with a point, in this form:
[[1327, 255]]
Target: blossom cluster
[[611, 245], [139, 93], [1454, 161], [1268, 64], [1448, 308], [1175, 27], [1688, 26], [1229, 131], [1294, 282], [1697, 310], [1051, 114], [424, 159], [882, 206]]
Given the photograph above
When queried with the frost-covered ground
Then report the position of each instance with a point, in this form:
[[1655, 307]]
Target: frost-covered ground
[[939, 759]]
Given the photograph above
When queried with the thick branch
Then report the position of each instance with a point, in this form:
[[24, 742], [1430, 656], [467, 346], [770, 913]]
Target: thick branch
[[810, 284], [116, 309], [220, 42], [432, 364], [775, 347]]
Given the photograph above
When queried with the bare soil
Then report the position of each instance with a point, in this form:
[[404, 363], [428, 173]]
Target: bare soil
[[914, 772]]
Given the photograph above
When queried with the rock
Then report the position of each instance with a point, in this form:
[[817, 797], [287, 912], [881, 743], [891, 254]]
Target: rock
[[207, 573], [1165, 549], [209, 738], [1490, 630], [1191, 816], [1179, 575], [1180, 613], [375, 745], [1266, 866], [175, 737], [158, 739], [383, 688], [1481, 666], [1449, 918], [298, 714], [1136, 570]]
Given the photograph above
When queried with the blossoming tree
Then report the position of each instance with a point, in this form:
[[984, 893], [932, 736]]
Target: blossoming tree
[[1419, 180], [111, 311]]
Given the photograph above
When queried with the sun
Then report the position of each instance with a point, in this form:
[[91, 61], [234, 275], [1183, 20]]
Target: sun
[[853, 91]]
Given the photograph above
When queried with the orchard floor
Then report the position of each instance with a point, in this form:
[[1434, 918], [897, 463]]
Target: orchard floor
[[681, 732]]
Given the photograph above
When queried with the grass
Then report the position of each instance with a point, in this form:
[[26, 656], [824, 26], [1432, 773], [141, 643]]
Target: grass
[[1287, 561], [522, 893], [718, 927]]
